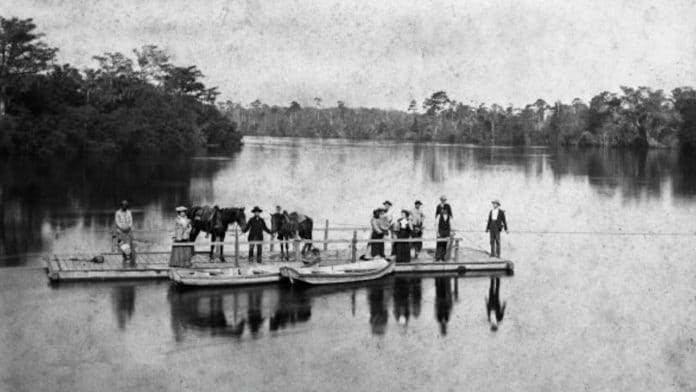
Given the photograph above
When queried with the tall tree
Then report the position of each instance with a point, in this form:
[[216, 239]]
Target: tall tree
[[436, 103], [22, 55]]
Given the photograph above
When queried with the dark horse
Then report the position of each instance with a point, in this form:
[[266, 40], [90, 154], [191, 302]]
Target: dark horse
[[214, 220], [289, 226]]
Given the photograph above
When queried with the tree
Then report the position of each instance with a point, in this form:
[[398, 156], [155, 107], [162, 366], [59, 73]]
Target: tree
[[154, 64], [412, 106], [436, 103], [22, 55], [685, 104]]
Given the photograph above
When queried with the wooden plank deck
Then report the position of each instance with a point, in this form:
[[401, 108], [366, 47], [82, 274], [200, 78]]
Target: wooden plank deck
[[154, 265]]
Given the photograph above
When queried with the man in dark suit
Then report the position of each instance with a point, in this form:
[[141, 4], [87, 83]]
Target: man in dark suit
[[443, 206], [256, 226], [496, 223]]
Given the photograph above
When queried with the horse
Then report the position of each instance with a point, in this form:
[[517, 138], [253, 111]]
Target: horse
[[290, 226], [214, 221]]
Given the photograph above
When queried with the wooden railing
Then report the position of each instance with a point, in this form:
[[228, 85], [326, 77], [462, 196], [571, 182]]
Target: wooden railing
[[452, 252]]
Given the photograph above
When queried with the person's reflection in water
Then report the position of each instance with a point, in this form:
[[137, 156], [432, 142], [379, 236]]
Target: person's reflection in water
[[254, 315], [124, 304], [293, 307], [407, 298], [443, 303], [378, 310], [494, 309]]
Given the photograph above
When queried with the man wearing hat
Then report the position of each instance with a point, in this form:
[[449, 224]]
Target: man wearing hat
[[124, 232], [417, 218], [255, 226], [496, 223], [443, 206]]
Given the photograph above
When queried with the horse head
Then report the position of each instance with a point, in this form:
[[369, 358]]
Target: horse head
[[233, 215]]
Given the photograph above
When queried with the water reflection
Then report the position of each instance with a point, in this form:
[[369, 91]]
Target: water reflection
[[377, 301], [495, 310], [406, 294], [294, 306], [123, 300], [443, 302]]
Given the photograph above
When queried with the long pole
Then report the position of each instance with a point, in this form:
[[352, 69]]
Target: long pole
[[298, 250], [456, 250], [448, 255], [326, 235], [236, 247], [354, 247]]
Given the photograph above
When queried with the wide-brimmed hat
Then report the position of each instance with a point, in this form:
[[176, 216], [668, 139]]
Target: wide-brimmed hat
[[418, 202], [181, 209], [405, 211], [256, 209], [496, 201]]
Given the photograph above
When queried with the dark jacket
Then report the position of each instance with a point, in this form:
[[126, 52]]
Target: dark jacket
[[256, 226], [446, 207], [499, 224]]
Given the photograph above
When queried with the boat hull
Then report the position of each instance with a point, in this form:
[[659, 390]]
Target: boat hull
[[224, 277], [343, 274]]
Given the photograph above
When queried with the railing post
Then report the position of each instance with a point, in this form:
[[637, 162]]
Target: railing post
[[326, 235], [236, 247], [270, 249], [354, 247], [448, 255], [456, 250], [298, 250]]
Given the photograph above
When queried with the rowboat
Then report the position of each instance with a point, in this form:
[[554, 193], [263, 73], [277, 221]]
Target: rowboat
[[339, 273], [225, 276]]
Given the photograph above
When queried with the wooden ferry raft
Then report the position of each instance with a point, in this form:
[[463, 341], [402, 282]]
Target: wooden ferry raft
[[155, 265]]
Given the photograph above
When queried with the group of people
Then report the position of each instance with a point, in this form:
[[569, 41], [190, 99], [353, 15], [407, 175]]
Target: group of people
[[410, 225]]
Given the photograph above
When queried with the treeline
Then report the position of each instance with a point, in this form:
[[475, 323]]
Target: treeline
[[145, 104], [634, 117]]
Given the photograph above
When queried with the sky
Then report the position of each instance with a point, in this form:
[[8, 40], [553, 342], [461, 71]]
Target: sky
[[385, 53]]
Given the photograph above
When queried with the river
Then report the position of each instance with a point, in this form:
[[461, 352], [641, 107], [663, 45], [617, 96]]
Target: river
[[603, 296]]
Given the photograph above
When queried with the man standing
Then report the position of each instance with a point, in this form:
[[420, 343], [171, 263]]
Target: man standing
[[256, 226], [443, 206], [417, 218], [496, 223], [124, 232], [388, 219]]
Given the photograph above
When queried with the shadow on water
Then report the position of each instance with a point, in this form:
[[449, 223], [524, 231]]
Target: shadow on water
[[123, 300], [55, 195]]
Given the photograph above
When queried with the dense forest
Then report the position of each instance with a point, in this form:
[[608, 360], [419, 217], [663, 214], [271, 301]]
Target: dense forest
[[123, 105], [639, 117]]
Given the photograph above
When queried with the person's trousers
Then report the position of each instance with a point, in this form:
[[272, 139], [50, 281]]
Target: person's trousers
[[258, 252], [441, 250], [417, 246], [377, 248], [495, 242]]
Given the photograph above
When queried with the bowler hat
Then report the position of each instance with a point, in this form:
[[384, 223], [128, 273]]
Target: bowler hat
[[387, 202], [256, 209], [418, 202]]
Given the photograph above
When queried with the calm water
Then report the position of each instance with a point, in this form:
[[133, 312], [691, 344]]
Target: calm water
[[583, 311]]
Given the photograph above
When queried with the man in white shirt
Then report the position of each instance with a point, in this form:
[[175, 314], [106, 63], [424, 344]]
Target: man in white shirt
[[124, 232], [417, 218]]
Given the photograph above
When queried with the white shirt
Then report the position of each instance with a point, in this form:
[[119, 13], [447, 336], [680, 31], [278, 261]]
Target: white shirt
[[494, 214], [124, 219]]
